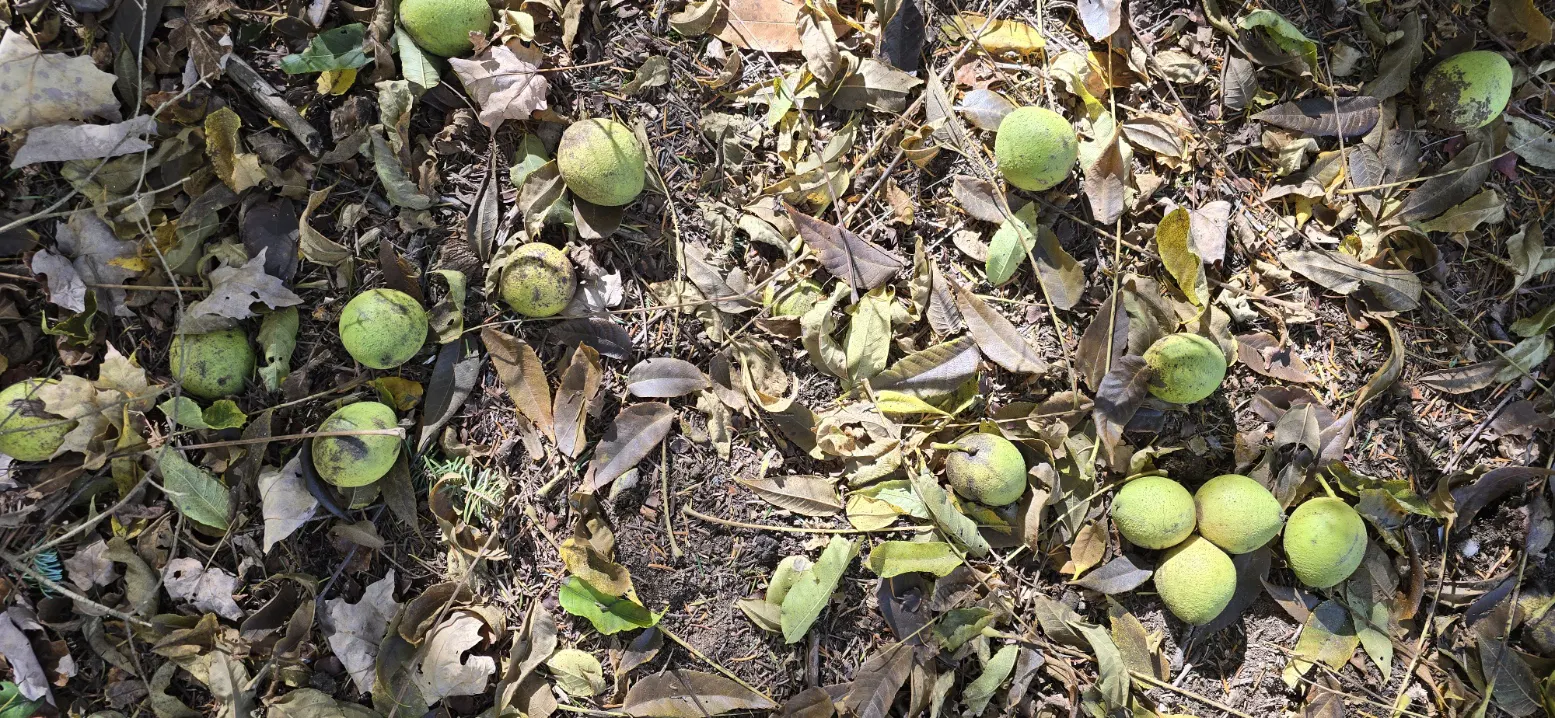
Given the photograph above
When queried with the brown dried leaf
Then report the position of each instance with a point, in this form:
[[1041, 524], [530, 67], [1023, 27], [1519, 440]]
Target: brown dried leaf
[[1262, 353], [1397, 289], [681, 693], [1121, 392], [506, 86], [664, 377], [808, 495], [996, 336], [521, 372], [862, 264], [1326, 116], [637, 430], [579, 385]]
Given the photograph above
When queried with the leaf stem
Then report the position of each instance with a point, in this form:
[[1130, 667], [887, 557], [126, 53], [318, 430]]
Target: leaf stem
[[687, 510]]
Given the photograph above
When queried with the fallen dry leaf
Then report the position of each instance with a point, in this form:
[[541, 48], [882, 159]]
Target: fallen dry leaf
[[444, 671], [355, 629], [506, 86], [62, 143], [38, 88], [207, 589], [285, 501]]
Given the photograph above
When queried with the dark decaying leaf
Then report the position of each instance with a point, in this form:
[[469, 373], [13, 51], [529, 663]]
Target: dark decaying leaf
[[1489, 487], [901, 41], [1251, 568], [601, 335], [1119, 575], [877, 682], [665, 377], [1517, 687], [637, 430], [932, 372], [644, 648], [814, 702], [454, 376], [1397, 66], [1457, 180], [1099, 349], [521, 372], [862, 264], [904, 606], [681, 693], [1262, 353], [1121, 392], [579, 385], [1325, 116], [271, 226], [485, 217], [996, 336], [398, 274], [1397, 289], [1239, 85], [808, 495]]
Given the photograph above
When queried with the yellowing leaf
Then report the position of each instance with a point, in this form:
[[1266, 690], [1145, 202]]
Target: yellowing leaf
[[1173, 241], [39, 88], [237, 169], [998, 36], [868, 343], [895, 402]]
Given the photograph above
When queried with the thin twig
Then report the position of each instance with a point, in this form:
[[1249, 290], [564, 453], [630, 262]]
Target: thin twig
[[399, 432], [692, 649], [687, 510], [53, 585], [1152, 680]]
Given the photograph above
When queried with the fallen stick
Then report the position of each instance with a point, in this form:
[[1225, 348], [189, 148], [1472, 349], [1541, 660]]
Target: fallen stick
[[269, 99]]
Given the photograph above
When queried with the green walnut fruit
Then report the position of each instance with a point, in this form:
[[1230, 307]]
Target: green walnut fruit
[[383, 328], [540, 281], [211, 365], [1187, 368], [1467, 90], [1153, 512], [1035, 148], [356, 460], [602, 162], [1237, 514], [987, 469], [1325, 541], [27, 432], [443, 27], [1196, 581]]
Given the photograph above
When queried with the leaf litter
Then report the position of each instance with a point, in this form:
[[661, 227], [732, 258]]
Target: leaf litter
[[750, 363]]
